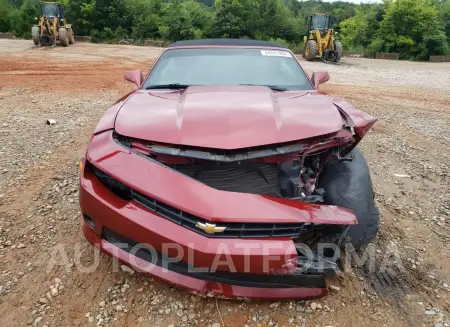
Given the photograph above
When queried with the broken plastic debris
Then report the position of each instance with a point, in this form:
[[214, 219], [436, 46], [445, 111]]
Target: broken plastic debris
[[402, 176], [51, 122]]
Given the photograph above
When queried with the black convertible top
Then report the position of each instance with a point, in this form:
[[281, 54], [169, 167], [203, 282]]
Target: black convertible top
[[227, 42]]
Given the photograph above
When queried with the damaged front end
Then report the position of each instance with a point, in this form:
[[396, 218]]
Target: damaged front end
[[287, 173]]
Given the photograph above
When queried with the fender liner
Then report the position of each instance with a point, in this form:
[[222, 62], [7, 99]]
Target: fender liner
[[348, 184]]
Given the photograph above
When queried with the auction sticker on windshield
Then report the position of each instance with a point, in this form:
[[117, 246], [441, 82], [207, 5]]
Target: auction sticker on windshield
[[276, 53]]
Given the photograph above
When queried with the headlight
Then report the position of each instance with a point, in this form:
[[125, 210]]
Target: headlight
[[113, 185]]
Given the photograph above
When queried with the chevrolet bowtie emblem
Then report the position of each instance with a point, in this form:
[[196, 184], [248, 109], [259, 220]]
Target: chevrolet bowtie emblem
[[210, 228]]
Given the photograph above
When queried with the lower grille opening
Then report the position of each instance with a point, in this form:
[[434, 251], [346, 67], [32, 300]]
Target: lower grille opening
[[238, 278]]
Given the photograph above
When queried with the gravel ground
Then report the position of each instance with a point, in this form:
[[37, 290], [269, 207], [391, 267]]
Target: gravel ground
[[42, 249]]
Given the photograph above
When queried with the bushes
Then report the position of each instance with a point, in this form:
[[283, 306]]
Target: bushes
[[18, 20], [413, 29]]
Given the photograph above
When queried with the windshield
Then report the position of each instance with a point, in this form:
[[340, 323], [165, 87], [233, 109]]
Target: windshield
[[50, 9], [222, 66], [319, 22]]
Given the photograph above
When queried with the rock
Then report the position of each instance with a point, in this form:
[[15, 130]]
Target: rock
[[216, 324], [54, 291], [313, 305], [438, 324], [102, 304], [300, 308], [21, 246], [430, 312], [119, 308], [51, 122], [37, 321], [334, 288], [127, 269], [87, 315], [274, 305], [184, 319], [43, 300]]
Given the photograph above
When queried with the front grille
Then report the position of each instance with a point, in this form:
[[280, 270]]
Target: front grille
[[233, 230], [253, 178], [187, 220]]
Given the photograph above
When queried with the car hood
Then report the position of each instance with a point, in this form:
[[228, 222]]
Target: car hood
[[227, 117]]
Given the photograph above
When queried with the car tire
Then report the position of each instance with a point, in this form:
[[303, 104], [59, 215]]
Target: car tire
[[348, 184]]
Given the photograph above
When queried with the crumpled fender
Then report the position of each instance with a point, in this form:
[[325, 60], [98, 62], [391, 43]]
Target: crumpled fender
[[362, 121]]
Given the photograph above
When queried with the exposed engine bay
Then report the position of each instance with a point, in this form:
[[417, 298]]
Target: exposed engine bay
[[289, 171]]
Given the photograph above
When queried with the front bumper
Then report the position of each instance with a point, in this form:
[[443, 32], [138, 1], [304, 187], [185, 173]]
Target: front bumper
[[227, 285], [234, 268]]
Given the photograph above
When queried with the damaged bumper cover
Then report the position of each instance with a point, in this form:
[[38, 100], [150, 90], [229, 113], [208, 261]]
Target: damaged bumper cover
[[146, 235]]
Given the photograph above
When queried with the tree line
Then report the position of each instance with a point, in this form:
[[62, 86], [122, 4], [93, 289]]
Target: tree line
[[414, 28]]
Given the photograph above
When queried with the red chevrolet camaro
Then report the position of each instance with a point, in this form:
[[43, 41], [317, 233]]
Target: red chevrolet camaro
[[226, 172]]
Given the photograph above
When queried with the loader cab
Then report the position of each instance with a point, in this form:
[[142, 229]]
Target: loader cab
[[52, 9], [321, 22]]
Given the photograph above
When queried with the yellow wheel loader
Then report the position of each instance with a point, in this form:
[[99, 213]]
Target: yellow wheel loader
[[320, 39], [52, 26]]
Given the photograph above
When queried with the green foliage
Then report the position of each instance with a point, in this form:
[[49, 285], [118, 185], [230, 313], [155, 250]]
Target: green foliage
[[21, 19], [262, 19], [5, 9], [445, 17], [358, 31], [414, 28], [146, 18], [187, 19]]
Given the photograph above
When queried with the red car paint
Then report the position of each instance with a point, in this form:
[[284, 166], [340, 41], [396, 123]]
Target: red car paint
[[230, 117], [233, 117]]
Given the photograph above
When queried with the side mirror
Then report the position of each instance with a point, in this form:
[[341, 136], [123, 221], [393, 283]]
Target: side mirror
[[319, 78], [134, 76]]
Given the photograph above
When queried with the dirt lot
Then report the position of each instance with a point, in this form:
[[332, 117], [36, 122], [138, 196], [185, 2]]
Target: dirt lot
[[41, 243]]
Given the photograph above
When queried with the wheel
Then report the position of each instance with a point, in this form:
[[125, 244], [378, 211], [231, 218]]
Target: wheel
[[310, 50], [36, 34], [63, 36], [348, 184], [339, 48], [71, 36]]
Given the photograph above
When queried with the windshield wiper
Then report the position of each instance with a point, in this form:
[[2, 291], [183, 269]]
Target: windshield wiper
[[174, 86], [273, 87]]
